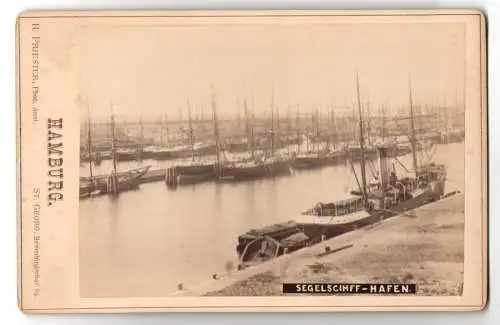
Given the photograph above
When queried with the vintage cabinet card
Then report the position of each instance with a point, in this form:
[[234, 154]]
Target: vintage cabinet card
[[252, 161]]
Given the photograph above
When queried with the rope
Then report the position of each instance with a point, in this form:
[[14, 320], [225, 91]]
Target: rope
[[401, 164], [373, 171]]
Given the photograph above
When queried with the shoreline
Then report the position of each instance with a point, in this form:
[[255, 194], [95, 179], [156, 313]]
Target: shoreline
[[424, 246]]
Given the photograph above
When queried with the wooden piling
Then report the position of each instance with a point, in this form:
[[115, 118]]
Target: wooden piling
[[171, 177], [112, 184]]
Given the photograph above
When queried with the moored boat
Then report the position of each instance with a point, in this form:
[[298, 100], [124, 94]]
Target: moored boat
[[157, 153], [277, 231], [317, 160], [127, 154], [88, 188], [266, 247], [354, 153], [254, 170], [204, 149], [191, 173], [327, 220], [104, 184], [190, 179]]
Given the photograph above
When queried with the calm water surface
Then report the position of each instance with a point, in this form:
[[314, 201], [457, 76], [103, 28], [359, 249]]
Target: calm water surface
[[145, 242]]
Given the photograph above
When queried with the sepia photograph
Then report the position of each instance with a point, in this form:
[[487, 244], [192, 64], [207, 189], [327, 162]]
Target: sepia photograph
[[252, 161], [215, 151]]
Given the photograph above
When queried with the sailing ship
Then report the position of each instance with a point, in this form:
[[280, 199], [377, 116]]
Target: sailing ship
[[256, 167], [268, 167], [90, 155], [158, 153], [194, 171], [388, 195], [161, 152], [126, 154], [104, 184], [89, 186], [115, 182], [317, 158]]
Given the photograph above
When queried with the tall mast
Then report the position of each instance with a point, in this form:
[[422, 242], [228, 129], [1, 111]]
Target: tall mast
[[277, 138], [238, 115], [333, 123], [113, 140], [141, 144], [201, 119], [328, 135], [289, 128], [318, 123], [247, 119], [353, 130], [89, 141], [369, 122], [312, 133], [216, 132], [252, 117], [167, 129], [248, 127], [252, 141], [412, 135], [297, 126], [445, 122], [162, 129], [361, 142], [272, 123], [191, 131], [141, 122], [382, 123], [316, 129]]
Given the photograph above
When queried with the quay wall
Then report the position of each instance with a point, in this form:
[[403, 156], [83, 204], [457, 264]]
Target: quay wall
[[423, 246]]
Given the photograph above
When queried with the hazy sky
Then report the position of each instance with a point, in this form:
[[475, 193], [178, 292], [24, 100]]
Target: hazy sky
[[153, 70]]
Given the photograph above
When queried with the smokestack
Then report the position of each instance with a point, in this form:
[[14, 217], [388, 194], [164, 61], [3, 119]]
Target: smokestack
[[383, 166]]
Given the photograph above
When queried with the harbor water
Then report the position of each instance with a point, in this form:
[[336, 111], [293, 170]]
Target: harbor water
[[145, 243]]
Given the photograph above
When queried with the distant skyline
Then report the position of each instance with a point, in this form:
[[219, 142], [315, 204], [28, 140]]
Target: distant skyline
[[150, 71]]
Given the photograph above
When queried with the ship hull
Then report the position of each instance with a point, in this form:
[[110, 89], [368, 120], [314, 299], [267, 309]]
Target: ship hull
[[355, 154], [318, 231], [255, 172], [127, 156], [190, 179], [313, 162], [195, 169], [206, 150], [162, 155], [189, 175], [101, 185], [237, 147], [277, 232], [157, 154], [248, 246]]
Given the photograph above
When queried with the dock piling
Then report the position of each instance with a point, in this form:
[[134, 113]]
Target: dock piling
[[112, 184], [171, 177]]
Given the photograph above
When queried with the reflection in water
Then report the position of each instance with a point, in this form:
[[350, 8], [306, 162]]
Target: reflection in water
[[145, 242]]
